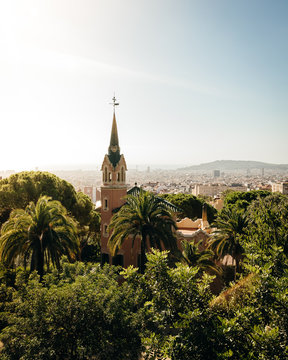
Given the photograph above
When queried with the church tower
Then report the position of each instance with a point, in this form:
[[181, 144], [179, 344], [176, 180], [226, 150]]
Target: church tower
[[114, 188]]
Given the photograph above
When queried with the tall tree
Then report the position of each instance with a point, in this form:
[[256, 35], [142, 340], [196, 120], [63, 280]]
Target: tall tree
[[193, 256], [18, 190], [42, 232], [230, 225], [144, 216], [242, 199]]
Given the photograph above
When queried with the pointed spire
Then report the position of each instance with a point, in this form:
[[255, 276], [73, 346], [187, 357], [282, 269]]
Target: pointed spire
[[114, 133], [114, 149]]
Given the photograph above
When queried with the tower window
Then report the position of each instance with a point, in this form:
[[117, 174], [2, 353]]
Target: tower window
[[118, 176], [122, 174], [110, 177], [105, 204], [105, 174]]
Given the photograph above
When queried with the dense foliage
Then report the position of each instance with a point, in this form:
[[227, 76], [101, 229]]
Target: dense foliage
[[43, 232], [17, 191], [242, 199], [76, 314], [146, 218], [83, 311]]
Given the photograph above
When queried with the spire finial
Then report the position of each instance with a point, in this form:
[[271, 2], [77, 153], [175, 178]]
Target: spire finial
[[114, 102]]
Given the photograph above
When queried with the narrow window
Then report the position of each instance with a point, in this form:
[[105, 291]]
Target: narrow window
[[105, 204], [118, 176], [106, 174], [110, 177], [122, 174]]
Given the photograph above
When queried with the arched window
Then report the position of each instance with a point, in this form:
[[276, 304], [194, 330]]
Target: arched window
[[122, 174], [105, 204], [110, 177], [105, 174], [105, 232], [118, 176]]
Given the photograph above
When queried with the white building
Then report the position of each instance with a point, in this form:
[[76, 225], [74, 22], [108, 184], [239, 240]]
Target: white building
[[280, 187]]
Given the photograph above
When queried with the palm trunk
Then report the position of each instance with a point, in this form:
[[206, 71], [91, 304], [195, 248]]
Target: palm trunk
[[37, 261], [142, 258], [40, 265], [40, 259], [143, 253], [237, 266]]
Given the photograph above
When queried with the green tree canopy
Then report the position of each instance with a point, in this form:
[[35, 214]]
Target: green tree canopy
[[191, 206], [18, 190], [242, 199], [144, 216], [43, 232], [231, 224], [268, 225], [192, 256], [79, 313]]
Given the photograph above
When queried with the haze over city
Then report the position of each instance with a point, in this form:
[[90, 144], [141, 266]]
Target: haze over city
[[197, 81]]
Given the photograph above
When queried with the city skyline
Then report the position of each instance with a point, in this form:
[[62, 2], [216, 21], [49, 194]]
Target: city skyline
[[196, 81]]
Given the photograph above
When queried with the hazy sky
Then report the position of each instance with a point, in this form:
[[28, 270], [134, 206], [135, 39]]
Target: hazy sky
[[197, 81]]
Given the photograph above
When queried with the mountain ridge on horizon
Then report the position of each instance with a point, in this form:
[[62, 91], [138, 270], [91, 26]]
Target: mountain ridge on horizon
[[235, 165]]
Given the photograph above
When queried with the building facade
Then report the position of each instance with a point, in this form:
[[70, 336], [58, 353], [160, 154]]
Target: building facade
[[280, 187], [113, 192]]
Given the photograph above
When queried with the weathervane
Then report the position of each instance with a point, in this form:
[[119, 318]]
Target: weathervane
[[114, 103]]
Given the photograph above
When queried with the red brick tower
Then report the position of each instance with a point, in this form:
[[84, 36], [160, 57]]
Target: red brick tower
[[113, 189]]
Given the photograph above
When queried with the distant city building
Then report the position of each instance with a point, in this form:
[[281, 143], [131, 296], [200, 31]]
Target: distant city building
[[280, 187], [217, 203], [88, 190], [216, 173], [215, 189], [98, 195], [91, 191], [266, 187]]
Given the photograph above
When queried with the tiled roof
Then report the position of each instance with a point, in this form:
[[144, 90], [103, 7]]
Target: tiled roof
[[135, 190]]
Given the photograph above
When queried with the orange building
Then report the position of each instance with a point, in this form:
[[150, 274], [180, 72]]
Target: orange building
[[113, 192]]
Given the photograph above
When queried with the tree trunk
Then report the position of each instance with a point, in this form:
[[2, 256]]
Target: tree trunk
[[143, 253], [40, 264], [37, 262]]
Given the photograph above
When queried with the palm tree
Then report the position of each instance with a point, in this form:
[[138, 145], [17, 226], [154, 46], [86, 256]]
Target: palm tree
[[230, 225], [192, 256], [43, 232], [144, 216]]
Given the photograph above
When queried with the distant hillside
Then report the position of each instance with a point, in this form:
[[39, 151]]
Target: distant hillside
[[235, 165]]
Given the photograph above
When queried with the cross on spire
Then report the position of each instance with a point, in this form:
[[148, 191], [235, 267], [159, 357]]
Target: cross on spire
[[114, 103]]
